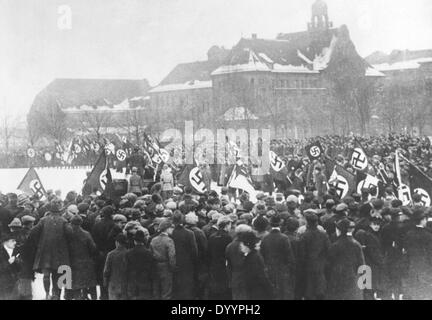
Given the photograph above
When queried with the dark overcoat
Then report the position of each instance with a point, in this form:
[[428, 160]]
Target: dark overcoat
[[373, 254], [279, 259], [257, 282], [8, 276], [52, 235], [218, 282], [186, 263], [418, 245], [83, 254], [344, 259], [312, 250], [140, 270]]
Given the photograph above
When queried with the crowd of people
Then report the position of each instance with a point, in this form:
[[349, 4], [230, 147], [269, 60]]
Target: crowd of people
[[154, 244], [163, 241]]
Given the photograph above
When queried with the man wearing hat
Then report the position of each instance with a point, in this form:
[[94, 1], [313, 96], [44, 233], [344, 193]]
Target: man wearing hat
[[140, 268], [52, 232], [370, 239], [219, 285], [9, 268], [186, 259], [235, 260], [313, 248], [345, 257], [418, 246], [82, 252], [279, 259], [101, 236], [115, 270], [201, 274], [163, 249]]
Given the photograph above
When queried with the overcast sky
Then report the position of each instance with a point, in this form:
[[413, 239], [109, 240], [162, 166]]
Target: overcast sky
[[146, 38]]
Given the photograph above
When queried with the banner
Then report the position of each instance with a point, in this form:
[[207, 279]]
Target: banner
[[358, 157], [191, 176], [98, 177], [342, 180], [32, 185], [240, 179], [420, 184], [314, 151]]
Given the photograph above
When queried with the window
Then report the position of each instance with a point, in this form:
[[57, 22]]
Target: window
[[261, 81], [281, 83], [252, 81]]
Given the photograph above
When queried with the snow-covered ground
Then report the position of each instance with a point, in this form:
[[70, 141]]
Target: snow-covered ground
[[63, 179]]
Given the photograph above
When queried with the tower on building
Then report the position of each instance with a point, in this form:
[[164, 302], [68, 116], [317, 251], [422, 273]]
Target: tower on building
[[320, 20]]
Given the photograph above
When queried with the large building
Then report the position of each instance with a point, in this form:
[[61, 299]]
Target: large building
[[407, 91], [88, 107], [285, 84], [281, 84]]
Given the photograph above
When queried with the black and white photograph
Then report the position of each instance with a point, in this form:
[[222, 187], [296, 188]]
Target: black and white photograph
[[215, 151]]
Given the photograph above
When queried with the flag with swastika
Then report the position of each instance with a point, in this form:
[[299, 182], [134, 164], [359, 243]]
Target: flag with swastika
[[314, 151], [32, 185]]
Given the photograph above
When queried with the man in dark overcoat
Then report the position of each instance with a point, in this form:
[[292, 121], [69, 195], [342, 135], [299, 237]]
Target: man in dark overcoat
[[186, 259], [52, 235], [279, 259], [312, 250]]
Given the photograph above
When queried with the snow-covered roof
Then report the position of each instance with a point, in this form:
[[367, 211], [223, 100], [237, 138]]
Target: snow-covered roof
[[292, 69], [190, 85], [402, 65], [262, 63], [372, 72], [121, 107]]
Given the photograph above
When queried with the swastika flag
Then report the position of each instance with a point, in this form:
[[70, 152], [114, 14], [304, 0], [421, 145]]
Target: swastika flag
[[314, 150], [32, 185], [358, 158]]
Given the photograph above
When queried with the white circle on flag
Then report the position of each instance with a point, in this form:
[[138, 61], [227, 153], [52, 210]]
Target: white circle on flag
[[96, 147], [103, 179], [426, 199], [404, 194], [196, 180], [124, 139], [359, 159], [78, 148], [48, 156], [341, 185], [165, 155], [315, 151], [362, 184], [121, 155], [31, 152], [275, 162]]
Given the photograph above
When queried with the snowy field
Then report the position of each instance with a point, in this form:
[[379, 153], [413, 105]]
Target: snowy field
[[63, 179]]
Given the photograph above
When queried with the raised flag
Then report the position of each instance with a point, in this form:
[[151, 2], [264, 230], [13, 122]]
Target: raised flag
[[404, 192], [278, 169], [369, 182], [358, 157], [98, 177], [342, 180], [191, 176], [420, 184], [32, 185], [314, 151], [240, 179]]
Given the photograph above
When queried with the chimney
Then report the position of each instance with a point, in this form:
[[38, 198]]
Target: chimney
[[254, 36]]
